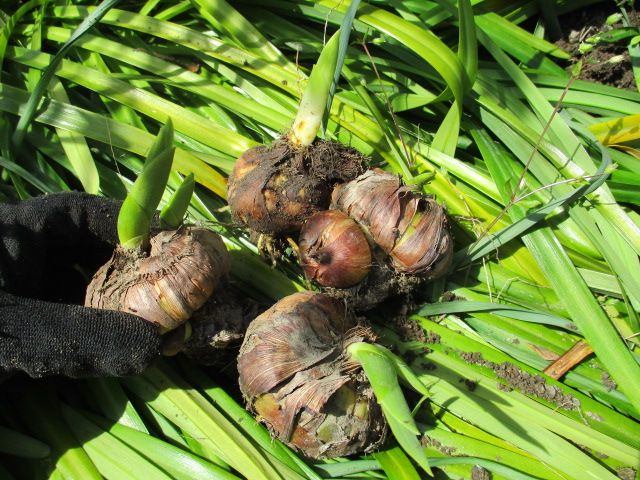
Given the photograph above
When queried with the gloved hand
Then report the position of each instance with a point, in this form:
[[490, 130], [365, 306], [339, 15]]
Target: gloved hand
[[45, 244]]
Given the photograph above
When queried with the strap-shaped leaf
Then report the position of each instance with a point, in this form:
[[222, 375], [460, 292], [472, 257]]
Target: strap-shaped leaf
[[383, 377], [30, 108], [314, 99]]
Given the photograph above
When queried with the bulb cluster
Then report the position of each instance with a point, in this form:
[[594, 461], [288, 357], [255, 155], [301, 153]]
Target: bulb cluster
[[375, 212]]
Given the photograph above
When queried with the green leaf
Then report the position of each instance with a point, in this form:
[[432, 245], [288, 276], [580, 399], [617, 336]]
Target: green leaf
[[494, 467], [345, 33], [38, 92], [510, 311], [504, 415], [634, 53], [76, 148], [37, 179], [384, 380], [110, 132], [468, 45], [167, 393], [180, 464], [155, 106], [111, 400], [227, 19], [244, 420], [10, 24], [114, 459], [396, 465], [623, 129], [22, 445], [39, 409], [172, 214], [316, 95], [134, 219]]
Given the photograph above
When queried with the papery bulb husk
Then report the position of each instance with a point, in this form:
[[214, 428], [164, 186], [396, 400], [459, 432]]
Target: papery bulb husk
[[334, 251], [409, 226], [165, 287], [273, 190], [296, 376]]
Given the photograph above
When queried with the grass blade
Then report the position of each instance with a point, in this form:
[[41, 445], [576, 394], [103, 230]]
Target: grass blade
[[38, 92], [345, 33], [620, 130], [76, 148], [181, 465], [396, 464], [113, 458], [111, 132], [21, 445]]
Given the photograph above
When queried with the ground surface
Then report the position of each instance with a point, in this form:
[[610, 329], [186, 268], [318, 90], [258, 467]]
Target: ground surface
[[608, 64]]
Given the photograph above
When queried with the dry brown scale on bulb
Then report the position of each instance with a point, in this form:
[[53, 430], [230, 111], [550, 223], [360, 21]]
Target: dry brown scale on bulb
[[166, 285], [295, 374], [181, 285], [410, 227]]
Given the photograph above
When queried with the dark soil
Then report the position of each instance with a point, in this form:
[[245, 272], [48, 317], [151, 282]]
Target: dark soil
[[432, 337], [606, 63], [608, 382], [218, 327], [428, 441], [480, 473], [516, 378], [626, 473]]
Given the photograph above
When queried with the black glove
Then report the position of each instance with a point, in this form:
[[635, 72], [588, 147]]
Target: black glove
[[48, 245]]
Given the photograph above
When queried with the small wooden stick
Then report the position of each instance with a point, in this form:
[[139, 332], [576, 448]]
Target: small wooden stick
[[569, 359]]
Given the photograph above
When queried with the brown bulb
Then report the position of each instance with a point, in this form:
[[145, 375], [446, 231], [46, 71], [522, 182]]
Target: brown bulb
[[296, 376], [409, 226], [334, 251], [266, 195], [274, 189], [167, 286]]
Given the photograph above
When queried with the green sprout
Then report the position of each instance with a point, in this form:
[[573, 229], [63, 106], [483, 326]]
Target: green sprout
[[138, 208], [172, 214]]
